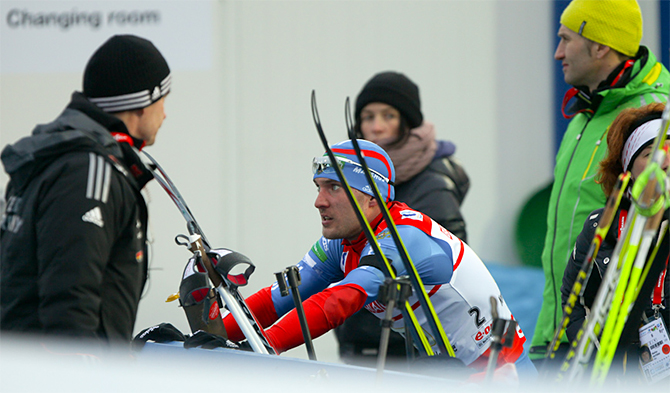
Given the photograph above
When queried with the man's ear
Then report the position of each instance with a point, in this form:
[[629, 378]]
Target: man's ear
[[372, 202], [600, 50]]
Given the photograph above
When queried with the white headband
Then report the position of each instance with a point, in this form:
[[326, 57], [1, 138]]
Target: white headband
[[639, 138]]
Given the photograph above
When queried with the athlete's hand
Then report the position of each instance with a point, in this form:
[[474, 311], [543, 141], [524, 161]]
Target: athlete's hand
[[202, 339], [161, 333]]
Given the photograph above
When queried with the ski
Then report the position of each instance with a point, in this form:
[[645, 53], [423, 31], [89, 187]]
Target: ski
[[166, 183], [408, 314], [225, 285], [433, 320]]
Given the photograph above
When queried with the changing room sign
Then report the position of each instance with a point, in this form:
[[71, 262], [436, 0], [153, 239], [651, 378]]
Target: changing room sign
[[60, 36]]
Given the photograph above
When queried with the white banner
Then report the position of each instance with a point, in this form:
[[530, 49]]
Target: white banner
[[60, 36]]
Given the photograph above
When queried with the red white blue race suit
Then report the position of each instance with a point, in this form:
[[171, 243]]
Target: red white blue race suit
[[335, 287]]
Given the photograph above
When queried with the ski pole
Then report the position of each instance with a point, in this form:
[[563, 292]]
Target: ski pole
[[433, 320], [497, 330], [408, 312], [499, 339], [392, 293], [292, 275]]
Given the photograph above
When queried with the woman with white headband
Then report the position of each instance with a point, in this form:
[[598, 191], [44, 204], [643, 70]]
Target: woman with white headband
[[629, 142]]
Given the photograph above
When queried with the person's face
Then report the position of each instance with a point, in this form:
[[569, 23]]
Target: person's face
[[151, 119], [380, 121], [641, 160], [580, 67], [338, 218]]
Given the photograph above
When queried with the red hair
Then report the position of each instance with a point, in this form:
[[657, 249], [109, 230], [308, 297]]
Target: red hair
[[619, 132]]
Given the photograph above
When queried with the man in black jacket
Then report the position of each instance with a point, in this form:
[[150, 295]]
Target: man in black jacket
[[73, 257]]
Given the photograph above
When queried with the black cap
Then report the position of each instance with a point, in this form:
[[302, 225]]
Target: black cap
[[127, 72], [394, 89]]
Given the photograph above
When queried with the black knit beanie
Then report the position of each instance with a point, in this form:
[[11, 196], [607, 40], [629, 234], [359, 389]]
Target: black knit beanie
[[394, 89], [127, 72]]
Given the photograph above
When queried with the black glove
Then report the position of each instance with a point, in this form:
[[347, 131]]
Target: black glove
[[161, 333], [206, 340]]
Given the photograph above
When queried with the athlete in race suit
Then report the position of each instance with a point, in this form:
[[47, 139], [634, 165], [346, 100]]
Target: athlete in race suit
[[339, 277]]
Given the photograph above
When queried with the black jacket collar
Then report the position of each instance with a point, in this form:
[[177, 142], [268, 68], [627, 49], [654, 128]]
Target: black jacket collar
[[112, 123]]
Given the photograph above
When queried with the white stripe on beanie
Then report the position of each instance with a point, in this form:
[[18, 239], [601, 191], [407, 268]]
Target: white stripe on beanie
[[137, 100]]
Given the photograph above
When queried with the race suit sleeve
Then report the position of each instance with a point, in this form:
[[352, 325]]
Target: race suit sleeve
[[329, 308], [434, 264], [74, 246], [260, 304], [323, 311], [318, 269]]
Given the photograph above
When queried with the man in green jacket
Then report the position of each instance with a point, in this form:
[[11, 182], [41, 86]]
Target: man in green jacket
[[602, 58]]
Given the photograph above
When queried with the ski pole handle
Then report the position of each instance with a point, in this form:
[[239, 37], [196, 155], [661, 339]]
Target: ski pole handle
[[292, 275], [196, 246], [283, 288], [497, 331]]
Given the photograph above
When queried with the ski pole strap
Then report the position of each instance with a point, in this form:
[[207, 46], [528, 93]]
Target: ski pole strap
[[657, 298], [372, 260], [228, 263], [398, 290], [623, 215]]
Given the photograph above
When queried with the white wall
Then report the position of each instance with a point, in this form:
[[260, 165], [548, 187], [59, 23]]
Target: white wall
[[239, 136]]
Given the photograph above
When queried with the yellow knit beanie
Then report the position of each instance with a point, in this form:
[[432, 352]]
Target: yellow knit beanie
[[615, 23]]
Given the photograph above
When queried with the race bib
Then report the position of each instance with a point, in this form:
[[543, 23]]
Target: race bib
[[654, 351]]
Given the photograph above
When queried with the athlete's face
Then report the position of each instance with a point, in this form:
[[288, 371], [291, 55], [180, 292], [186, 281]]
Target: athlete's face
[[641, 160], [338, 218]]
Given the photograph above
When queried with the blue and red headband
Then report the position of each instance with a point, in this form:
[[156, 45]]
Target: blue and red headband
[[380, 164]]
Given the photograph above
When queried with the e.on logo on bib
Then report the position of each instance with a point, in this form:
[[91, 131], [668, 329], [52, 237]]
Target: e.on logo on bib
[[483, 336]]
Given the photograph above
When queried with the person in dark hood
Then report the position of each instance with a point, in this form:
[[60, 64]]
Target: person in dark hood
[[73, 258]]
